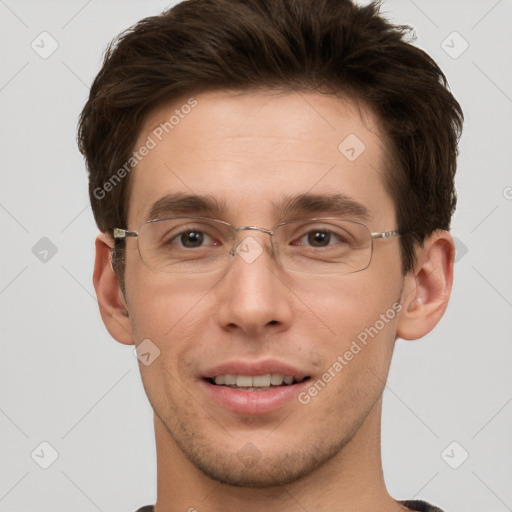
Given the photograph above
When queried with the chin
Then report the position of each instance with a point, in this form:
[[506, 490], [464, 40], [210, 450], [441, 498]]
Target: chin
[[282, 469], [253, 468]]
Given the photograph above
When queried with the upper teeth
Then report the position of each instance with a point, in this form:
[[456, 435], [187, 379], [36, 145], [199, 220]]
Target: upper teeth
[[247, 381]]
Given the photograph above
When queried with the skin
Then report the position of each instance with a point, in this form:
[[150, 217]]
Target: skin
[[251, 149]]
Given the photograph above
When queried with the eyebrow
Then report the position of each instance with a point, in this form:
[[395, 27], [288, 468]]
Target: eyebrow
[[290, 206]]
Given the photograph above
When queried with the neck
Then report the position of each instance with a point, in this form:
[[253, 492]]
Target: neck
[[351, 480]]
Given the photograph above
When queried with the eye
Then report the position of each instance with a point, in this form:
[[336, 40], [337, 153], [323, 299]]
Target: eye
[[190, 238], [318, 238], [176, 235], [321, 237]]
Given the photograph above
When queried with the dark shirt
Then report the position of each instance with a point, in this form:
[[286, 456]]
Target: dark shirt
[[420, 506]]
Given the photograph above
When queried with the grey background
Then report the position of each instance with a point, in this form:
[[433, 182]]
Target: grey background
[[64, 381]]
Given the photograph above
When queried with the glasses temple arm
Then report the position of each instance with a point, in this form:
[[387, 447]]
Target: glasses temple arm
[[386, 234], [121, 234]]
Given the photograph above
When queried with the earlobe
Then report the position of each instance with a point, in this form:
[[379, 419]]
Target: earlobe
[[111, 302], [427, 289]]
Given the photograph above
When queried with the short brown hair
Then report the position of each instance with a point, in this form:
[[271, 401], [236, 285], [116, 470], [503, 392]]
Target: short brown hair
[[301, 45]]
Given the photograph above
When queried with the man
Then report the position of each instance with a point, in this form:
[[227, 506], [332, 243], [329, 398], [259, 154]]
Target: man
[[274, 183]]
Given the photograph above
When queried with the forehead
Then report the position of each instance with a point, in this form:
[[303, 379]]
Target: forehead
[[254, 153]]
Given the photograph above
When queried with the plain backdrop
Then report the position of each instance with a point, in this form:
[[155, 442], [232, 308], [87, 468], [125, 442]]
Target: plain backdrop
[[65, 383]]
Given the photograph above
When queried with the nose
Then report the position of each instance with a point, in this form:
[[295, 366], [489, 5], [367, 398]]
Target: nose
[[254, 295]]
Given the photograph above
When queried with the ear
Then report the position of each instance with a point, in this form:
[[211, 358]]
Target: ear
[[427, 289], [113, 308]]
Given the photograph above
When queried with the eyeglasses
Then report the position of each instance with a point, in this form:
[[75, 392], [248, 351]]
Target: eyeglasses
[[199, 245]]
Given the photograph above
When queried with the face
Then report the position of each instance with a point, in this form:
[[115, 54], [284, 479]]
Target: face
[[249, 151]]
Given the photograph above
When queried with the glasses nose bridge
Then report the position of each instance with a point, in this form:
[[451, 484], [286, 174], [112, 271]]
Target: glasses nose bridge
[[254, 228], [238, 229]]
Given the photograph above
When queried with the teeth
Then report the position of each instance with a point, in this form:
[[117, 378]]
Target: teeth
[[229, 380], [243, 381], [257, 381], [261, 381], [276, 379]]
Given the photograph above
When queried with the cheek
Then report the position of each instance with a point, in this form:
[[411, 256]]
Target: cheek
[[344, 307], [170, 318], [172, 315], [358, 362], [166, 312], [356, 337], [159, 304]]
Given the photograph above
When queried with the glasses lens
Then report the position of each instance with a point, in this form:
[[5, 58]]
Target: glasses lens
[[185, 245], [192, 245], [324, 246]]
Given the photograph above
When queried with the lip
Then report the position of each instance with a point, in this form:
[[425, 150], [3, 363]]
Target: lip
[[253, 402], [254, 368]]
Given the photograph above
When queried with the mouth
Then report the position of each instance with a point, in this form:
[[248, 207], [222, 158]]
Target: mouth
[[254, 387], [265, 382]]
